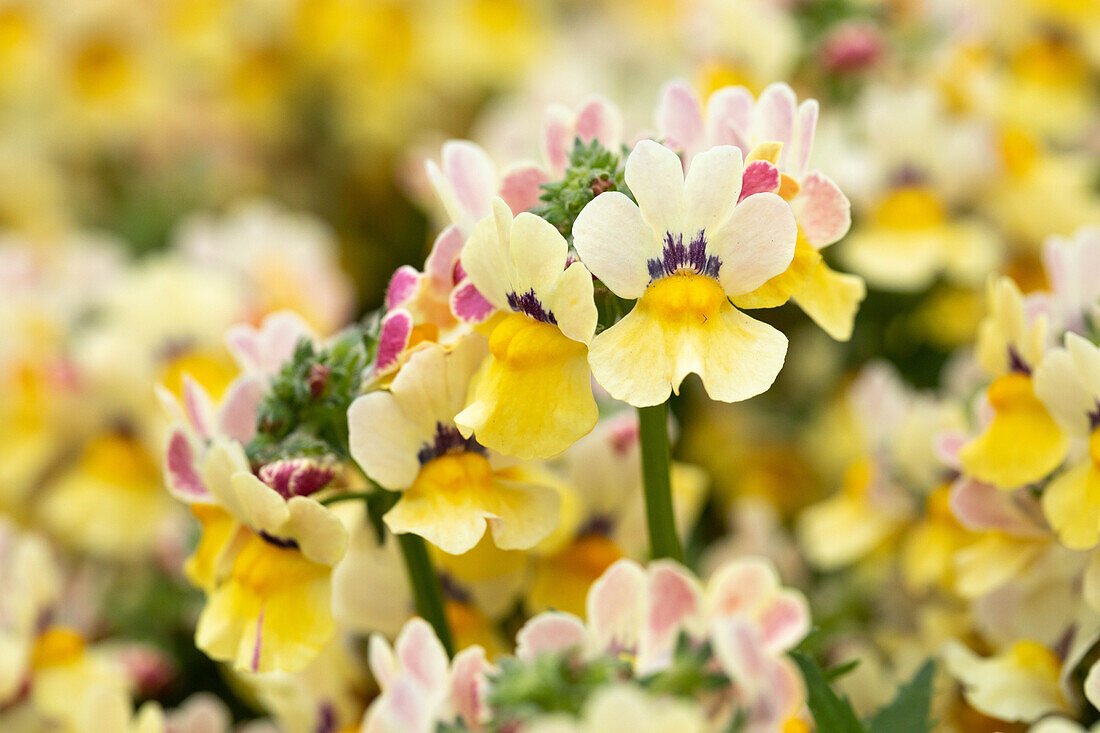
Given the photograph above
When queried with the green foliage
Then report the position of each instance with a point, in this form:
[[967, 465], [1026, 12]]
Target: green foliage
[[689, 673], [551, 683], [592, 170], [832, 713], [304, 412], [908, 712]]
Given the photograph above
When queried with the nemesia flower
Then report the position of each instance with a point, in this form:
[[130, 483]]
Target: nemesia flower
[[533, 398], [683, 251], [640, 613], [1067, 382], [466, 181], [452, 487], [596, 118], [420, 686], [1019, 685], [776, 136], [1022, 443], [627, 707], [268, 567]]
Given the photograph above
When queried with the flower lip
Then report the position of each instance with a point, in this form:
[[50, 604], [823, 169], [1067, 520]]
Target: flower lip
[[448, 439], [529, 304], [675, 257]]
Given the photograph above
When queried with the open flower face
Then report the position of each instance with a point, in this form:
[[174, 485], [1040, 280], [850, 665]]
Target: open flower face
[[406, 440], [775, 131], [533, 398], [683, 250], [268, 607], [1022, 443]]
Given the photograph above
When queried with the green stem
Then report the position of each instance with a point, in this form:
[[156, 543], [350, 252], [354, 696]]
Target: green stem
[[427, 590], [657, 482], [336, 499]]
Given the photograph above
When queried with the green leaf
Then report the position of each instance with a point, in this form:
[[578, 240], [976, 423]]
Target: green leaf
[[833, 714], [835, 673], [911, 707]]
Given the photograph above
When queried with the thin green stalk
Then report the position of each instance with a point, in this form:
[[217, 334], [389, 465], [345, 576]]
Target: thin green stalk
[[427, 590], [657, 482], [337, 498]]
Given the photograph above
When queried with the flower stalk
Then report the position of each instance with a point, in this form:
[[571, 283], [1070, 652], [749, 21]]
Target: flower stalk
[[657, 482], [427, 589]]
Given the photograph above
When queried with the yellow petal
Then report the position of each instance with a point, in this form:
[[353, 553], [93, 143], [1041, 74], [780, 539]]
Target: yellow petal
[[533, 397], [1022, 444], [779, 289], [832, 299], [685, 324], [1071, 504]]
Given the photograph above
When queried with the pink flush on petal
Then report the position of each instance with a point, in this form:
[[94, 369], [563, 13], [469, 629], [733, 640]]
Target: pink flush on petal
[[182, 477], [822, 210], [673, 599], [520, 187], [402, 286], [238, 412], [443, 259], [393, 338], [680, 116], [785, 623], [551, 631], [197, 407], [760, 176], [469, 305]]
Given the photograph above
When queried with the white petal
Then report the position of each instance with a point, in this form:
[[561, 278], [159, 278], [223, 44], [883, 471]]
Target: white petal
[[572, 303], [538, 253], [615, 243], [384, 442], [756, 244], [655, 176], [711, 189]]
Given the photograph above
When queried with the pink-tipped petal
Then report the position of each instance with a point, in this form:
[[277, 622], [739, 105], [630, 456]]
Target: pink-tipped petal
[[775, 117], [421, 654], [402, 287], [404, 708], [197, 407], [760, 176], [550, 631], [237, 418], [822, 210], [557, 137], [616, 606], [982, 507], [785, 622], [468, 685], [442, 260], [469, 305], [473, 176], [680, 117], [947, 445], [741, 586], [179, 468], [729, 118], [382, 663], [244, 346], [393, 338], [598, 119], [520, 187], [674, 603], [807, 124]]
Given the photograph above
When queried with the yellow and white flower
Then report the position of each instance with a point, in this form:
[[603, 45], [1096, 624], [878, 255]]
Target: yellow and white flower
[[406, 440], [1020, 684], [1022, 443], [683, 251], [1068, 384], [533, 397]]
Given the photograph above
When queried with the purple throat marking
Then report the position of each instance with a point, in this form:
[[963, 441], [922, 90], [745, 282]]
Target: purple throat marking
[[676, 257], [529, 304], [285, 543], [1094, 416], [447, 439], [1016, 362]]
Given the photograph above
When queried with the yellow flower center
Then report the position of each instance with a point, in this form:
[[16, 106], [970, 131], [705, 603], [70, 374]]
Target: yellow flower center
[[120, 460], [717, 74], [454, 473], [938, 505], [589, 556], [857, 479], [910, 207], [1036, 658], [1011, 390], [795, 725], [521, 342], [788, 188], [56, 646], [1019, 151], [266, 569], [684, 298], [1051, 62], [16, 28]]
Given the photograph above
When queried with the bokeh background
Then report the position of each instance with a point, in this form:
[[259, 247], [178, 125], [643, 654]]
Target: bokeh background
[[171, 167]]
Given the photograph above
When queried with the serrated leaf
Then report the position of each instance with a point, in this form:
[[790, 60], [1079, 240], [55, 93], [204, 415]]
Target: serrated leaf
[[832, 713], [910, 710]]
